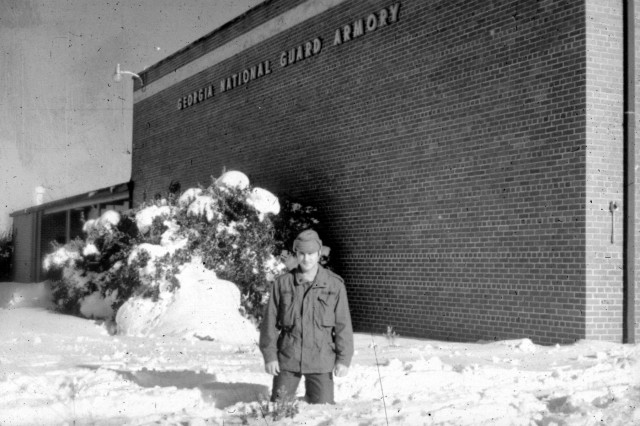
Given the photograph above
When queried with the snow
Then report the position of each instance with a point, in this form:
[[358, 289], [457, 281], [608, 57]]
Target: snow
[[264, 202], [233, 179], [97, 306], [60, 257], [203, 205], [188, 196], [57, 369], [145, 217], [170, 242], [90, 250], [204, 307], [107, 221]]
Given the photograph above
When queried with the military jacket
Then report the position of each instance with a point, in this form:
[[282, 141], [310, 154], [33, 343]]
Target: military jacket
[[307, 327]]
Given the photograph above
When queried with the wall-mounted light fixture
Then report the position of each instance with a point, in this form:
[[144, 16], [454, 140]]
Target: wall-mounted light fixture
[[117, 76]]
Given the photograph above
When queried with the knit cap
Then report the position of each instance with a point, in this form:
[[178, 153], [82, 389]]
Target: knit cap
[[307, 242]]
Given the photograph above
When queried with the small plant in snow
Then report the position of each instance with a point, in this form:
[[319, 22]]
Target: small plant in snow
[[285, 406], [391, 335]]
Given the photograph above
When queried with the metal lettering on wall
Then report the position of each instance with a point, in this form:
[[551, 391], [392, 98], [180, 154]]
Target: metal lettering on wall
[[366, 25], [348, 32], [196, 97], [301, 52], [245, 76]]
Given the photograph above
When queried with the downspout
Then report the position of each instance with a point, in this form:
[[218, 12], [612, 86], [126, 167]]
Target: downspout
[[629, 201]]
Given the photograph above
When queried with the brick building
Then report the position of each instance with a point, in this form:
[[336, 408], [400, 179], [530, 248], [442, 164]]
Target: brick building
[[468, 157]]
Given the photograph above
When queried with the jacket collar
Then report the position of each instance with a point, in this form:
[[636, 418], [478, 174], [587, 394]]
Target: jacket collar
[[321, 279]]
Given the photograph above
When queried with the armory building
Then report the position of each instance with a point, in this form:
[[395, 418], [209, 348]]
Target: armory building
[[470, 159]]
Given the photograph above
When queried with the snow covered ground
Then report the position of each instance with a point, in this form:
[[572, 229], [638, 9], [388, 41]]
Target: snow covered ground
[[57, 369]]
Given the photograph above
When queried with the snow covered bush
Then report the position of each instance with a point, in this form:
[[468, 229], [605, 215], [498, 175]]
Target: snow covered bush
[[142, 254], [233, 239], [93, 275]]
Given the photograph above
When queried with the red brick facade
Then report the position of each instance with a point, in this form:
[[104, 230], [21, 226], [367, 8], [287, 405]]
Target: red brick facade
[[462, 154]]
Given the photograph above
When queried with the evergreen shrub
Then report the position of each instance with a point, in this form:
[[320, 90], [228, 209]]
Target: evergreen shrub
[[140, 251]]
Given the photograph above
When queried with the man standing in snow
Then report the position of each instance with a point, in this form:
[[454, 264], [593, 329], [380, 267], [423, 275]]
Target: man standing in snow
[[306, 329]]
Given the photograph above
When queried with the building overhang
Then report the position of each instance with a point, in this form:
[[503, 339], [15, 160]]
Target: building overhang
[[107, 195]]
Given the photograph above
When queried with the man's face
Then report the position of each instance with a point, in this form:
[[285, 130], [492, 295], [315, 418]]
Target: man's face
[[307, 261]]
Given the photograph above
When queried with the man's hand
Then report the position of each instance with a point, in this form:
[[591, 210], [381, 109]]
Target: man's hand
[[340, 370], [272, 368]]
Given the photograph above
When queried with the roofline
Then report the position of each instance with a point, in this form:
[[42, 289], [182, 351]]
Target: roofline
[[115, 192], [202, 39]]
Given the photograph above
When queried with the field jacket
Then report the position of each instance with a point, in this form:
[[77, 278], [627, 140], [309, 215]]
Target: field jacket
[[307, 327]]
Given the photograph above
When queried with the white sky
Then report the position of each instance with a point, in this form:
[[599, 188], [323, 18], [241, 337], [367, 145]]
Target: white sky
[[64, 123]]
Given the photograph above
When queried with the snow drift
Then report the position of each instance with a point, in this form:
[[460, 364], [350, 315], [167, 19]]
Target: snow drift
[[203, 306]]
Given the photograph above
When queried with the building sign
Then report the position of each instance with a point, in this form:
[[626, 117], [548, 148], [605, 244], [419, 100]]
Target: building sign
[[245, 76], [346, 33], [196, 97], [372, 22], [301, 52]]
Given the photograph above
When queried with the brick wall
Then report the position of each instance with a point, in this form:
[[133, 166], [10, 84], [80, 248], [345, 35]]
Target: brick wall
[[604, 170], [446, 152]]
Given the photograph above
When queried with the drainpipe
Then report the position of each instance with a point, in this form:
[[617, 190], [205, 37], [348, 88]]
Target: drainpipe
[[629, 202]]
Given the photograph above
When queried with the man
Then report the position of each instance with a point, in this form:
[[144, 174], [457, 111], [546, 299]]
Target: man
[[306, 329]]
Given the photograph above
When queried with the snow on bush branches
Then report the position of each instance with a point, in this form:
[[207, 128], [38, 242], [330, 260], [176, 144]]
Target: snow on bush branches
[[228, 228]]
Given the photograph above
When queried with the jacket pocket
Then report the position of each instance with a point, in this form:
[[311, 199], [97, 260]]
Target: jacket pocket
[[285, 311], [286, 347], [326, 308]]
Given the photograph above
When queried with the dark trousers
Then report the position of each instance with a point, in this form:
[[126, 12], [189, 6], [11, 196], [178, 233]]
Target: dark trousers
[[318, 387]]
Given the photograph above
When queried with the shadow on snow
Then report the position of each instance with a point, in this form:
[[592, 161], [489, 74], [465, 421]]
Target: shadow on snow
[[220, 393]]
